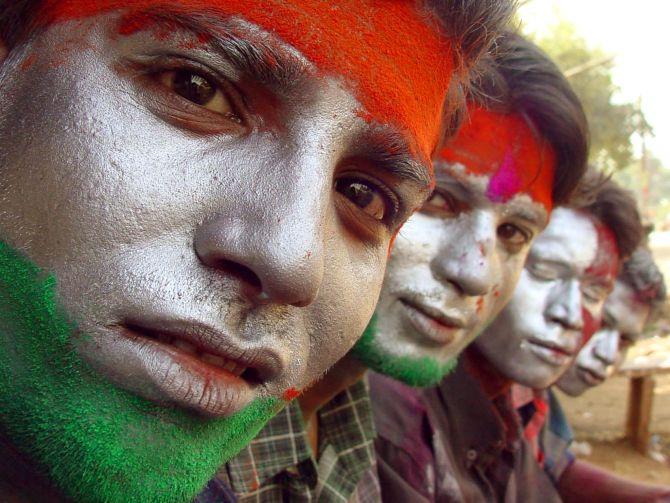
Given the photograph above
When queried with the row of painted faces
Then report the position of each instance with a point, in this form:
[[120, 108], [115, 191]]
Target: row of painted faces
[[563, 323], [196, 217]]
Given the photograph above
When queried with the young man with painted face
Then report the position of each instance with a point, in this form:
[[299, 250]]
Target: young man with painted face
[[321, 447], [198, 197], [639, 292], [454, 265]]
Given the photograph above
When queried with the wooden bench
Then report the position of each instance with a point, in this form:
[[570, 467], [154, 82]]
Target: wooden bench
[[641, 372]]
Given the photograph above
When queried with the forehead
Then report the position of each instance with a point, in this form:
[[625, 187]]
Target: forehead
[[474, 188], [504, 149], [624, 297], [389, 53], [571, 237]]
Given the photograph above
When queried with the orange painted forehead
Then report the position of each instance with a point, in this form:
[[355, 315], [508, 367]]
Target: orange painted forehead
[[389, 52], [503, 147]]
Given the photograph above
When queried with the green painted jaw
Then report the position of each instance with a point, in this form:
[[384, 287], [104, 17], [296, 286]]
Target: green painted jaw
[[97, 442], [415, 371]]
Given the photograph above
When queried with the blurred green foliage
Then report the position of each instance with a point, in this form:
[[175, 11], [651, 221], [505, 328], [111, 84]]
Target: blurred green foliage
[[589, 71]]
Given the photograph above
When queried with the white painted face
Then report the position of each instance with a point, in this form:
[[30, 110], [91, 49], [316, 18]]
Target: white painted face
[[202, 205], [624, 317], [557, 303], [453, 266]]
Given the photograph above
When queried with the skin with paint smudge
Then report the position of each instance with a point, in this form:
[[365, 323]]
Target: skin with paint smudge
[[557, 304], [454, 264], [208, 210], [624, 317]]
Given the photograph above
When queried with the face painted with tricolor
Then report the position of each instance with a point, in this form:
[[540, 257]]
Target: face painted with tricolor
[[557, 303], [624, 317], [196, 213], [455, 263]]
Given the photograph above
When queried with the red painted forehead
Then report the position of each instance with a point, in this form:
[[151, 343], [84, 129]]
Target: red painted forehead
[[387, 51], [605, 266], [505, 148], [606, 262]]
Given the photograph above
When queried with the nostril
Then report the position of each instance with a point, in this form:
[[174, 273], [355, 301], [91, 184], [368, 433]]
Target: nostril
[[242, 273]]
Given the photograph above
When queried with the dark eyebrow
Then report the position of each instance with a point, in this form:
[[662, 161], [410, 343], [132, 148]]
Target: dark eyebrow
[[387, 148], [518, 209], [532, 217], [257, 55]]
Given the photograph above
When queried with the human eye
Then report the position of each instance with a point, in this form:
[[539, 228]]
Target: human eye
[[191, 96], [366, 203], [513, 236], [544, 271], [442, 204], [199, 89], [594, 293]]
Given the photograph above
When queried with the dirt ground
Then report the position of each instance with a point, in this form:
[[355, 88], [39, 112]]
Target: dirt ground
[[598, 418]]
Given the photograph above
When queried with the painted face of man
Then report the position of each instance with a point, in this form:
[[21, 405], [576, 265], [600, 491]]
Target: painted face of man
[[197, 209], [557, 304], [455, 263], [624, 317]]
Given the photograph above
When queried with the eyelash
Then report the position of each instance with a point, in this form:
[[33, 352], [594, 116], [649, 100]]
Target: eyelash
[[390, 220], [152, 69]]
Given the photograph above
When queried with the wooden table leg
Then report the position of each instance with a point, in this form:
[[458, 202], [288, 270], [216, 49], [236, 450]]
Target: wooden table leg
[[640, 400]]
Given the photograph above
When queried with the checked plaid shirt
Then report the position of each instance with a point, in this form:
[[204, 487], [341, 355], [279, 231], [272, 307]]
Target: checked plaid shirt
[[278, 465]]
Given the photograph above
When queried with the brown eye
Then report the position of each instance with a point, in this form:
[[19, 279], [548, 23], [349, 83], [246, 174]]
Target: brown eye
[[442, 204], [365, 195], [198, 89], [513, 235]]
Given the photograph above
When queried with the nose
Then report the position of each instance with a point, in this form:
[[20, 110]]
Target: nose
[[272, 245], [607, 347], [466, 255], [565, 306]]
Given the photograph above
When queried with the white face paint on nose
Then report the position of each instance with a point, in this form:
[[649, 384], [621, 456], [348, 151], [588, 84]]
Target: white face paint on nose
[[535, 338]]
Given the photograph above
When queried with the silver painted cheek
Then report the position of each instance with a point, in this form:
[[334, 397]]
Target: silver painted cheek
[[631, 316], [504, 341], [408, 270], [135, 216]]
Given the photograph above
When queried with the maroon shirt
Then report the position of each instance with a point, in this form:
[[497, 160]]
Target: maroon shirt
[[459, 441]]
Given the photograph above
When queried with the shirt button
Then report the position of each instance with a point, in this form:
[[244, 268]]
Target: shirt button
[[471, 455]]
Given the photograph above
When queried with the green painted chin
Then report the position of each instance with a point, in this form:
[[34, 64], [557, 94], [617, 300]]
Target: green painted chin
[[98, 442], [415, 371]]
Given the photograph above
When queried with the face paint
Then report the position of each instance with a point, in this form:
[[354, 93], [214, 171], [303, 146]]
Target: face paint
[[380, 49], [454, 265], [623, 322], [567, 274], [503, 148], [110, 448], [178, 261]]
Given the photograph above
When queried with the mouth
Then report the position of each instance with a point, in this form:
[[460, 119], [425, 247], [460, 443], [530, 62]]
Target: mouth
[[191, 366], [550, 352], [436, 326], [591, 376]]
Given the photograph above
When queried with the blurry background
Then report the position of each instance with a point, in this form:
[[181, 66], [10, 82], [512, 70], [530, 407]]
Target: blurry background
[[615, 55]]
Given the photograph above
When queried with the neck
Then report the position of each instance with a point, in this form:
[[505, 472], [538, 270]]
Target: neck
[[20, 481], [492, 381], [343, 374]]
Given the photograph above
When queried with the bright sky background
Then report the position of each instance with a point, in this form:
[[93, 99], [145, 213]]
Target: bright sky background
[[638, 35]]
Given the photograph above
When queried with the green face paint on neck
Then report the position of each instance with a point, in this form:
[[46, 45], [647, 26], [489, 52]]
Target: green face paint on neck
[[95, 441], [423, 371]]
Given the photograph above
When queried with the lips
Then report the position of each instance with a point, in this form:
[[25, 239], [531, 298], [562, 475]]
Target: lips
[[591, 376], [551, 353], [436, 326], [184, 364]]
